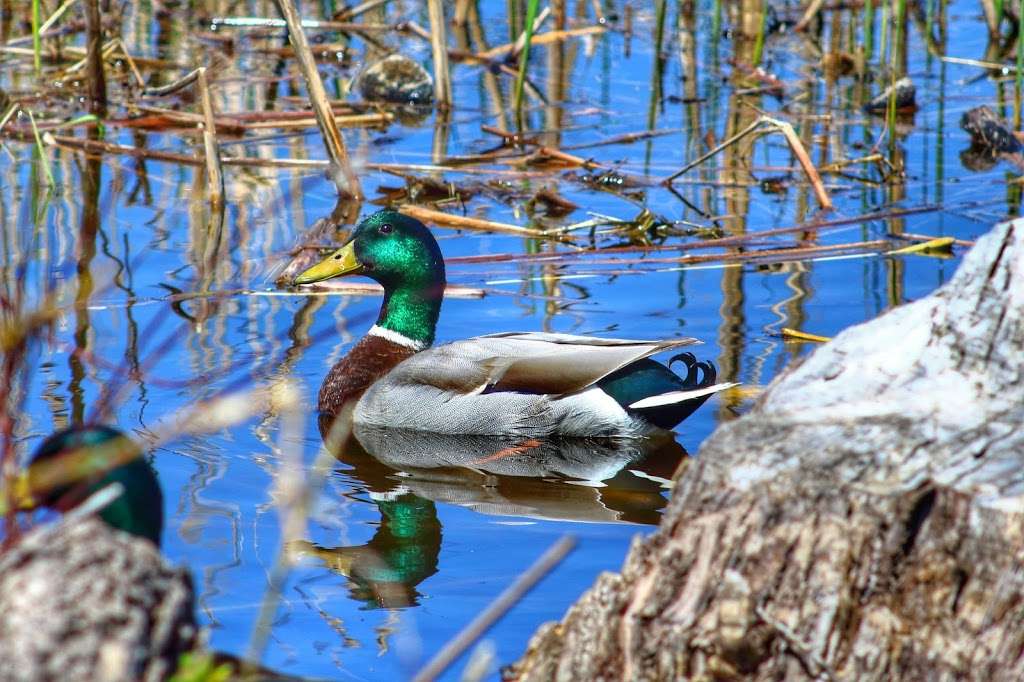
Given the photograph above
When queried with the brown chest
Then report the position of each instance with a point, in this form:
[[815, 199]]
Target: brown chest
[[368, 361]]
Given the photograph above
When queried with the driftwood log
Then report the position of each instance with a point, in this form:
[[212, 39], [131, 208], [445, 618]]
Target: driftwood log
[[864, 521], [81, 601]]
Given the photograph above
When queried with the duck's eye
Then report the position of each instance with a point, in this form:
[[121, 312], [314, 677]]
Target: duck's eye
[[385, 228]]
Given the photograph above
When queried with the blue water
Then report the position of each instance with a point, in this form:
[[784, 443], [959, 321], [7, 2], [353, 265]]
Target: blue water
[[223, 521]]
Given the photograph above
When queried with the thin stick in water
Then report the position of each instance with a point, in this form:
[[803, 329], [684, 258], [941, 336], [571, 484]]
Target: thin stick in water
[[214, 175], [497, 609]]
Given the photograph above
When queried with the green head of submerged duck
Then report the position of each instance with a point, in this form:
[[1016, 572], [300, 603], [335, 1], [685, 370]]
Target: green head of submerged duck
[[74, 463], [515, 383]]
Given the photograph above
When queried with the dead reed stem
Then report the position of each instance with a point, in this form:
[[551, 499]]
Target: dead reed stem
[[461, 12], [794, 143], [439, 47], [537, 23], [347, 183], [540, 39], [467, 223], [94, 59], [350, 13], [813, 8], [214, 174]]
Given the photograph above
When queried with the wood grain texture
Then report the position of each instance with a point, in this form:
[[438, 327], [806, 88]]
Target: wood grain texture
[[862, 522]]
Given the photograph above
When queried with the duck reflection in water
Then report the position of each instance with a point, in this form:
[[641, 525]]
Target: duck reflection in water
[[405, 473]]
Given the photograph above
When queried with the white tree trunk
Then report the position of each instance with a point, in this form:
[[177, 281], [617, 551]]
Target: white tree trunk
[[864, 521]]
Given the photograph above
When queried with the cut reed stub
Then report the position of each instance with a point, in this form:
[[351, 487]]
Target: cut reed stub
[[906, 98]]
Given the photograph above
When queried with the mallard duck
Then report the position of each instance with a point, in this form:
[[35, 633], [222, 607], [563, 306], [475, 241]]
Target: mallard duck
[[76, 462], [79, 599], [516, 383]]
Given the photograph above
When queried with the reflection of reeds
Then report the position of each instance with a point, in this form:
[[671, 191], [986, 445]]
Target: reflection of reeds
[[506, 600]]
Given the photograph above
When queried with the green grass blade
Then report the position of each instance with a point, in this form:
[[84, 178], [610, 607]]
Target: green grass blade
[[41, 150], [524, 60]]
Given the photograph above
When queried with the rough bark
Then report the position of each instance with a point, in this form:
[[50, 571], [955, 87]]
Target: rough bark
[[863, 521], [80, 601]]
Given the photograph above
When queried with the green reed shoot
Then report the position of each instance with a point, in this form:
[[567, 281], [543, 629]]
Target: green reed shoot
[[524, 60], [883, 41], [37, 43], [41, 150], [759, 40]]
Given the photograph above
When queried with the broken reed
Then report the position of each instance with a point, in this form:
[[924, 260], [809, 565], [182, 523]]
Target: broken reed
[[348, 182]]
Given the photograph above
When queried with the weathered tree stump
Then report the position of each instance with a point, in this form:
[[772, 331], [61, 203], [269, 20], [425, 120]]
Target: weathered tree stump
[[864, 521], [81, 601]]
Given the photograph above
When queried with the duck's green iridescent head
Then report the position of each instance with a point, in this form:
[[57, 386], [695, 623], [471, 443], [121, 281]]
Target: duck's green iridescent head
[[401, 254], [72, 464]]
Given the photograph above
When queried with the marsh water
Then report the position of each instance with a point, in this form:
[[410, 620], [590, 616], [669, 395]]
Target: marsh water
[[409, 541]]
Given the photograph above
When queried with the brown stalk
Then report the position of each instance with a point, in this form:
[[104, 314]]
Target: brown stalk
[[467, 223], [94, 59], [795, 145], [724, 242], [350, 121], [347, 183], [461, 12], [540, 39], [214, 174], [439, 47], [805, 162], [101, 147], [350, 13], [788, 253], [813, 8]]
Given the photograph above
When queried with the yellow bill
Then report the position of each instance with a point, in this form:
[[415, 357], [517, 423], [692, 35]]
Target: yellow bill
[[341, 262]]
